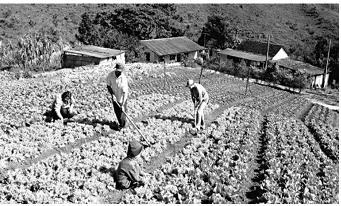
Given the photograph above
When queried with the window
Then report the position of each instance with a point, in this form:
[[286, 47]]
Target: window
[[178, 57], [172, 57], [147, 56]]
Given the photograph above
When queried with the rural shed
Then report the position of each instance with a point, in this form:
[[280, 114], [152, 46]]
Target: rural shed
[[253, 52], [170, 49], [315, 73], [86, 55]]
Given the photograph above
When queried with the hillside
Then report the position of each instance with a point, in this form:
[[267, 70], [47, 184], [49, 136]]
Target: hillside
[[258, 20], [254, 20], [308, 25]]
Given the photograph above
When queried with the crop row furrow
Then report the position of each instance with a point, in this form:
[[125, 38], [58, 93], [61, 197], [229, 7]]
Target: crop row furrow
[[212, 168], [294, 173], [325, 134]]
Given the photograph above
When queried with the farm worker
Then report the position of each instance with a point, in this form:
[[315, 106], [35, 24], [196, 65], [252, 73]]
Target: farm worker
[[128, 172], [200, 99], [62, 106], [117, 85]]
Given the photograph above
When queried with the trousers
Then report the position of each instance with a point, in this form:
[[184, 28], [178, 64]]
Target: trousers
[[200, 118], [121, 117]]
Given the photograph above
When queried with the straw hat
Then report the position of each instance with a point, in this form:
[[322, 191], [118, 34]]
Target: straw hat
[[134, 148], [190, 83]]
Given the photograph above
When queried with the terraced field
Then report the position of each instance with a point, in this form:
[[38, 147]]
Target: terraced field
[[265, 146]]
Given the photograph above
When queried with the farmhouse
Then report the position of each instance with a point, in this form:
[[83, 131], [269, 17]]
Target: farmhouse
[[315, 73], [86, 55], [170, 50], [253, 53]]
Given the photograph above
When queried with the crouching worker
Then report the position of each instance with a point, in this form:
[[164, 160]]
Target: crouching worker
[[62, 106], [200, 99], [128, 172]]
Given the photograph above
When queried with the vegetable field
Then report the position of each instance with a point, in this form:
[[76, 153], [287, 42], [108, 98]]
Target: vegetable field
[[263, 146]]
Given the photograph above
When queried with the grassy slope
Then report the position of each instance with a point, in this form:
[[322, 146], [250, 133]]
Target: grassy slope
[[289, 24]]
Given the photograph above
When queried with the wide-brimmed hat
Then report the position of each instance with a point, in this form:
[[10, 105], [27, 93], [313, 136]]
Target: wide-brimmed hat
[[134, 148], [119, 66], [190, 82]]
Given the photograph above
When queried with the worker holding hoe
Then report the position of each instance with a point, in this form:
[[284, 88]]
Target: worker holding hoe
[[200, 99], [117, 85], [128, 172]]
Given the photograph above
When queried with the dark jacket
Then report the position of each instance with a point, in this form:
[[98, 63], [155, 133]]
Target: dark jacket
[[128, 172]]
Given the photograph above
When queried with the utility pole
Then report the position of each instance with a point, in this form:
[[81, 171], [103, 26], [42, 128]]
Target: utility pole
[[164, 72], [326, 69], [267, 53], [204, 39], [247, 81]]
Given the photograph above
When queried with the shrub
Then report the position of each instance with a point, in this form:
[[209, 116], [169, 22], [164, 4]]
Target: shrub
[[17, 75], [27, 74], [241, 69], [299, 81], [187, 62], [31, 51], [256, 72]]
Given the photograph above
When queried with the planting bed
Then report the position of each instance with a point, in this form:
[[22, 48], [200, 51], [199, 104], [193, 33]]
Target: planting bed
[[320, 121], [297, 170], [265, 145]]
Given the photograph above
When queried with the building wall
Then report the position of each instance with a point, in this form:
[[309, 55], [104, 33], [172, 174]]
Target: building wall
[[319, 79], [281, 54], [155, 58], [223, 58], [74, 60]]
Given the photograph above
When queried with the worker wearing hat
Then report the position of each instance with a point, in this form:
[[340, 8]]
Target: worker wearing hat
[[200, 99], [117, 85], [128, 171]]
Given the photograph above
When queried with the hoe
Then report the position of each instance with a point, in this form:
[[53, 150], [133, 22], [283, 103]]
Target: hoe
[[132, 122]]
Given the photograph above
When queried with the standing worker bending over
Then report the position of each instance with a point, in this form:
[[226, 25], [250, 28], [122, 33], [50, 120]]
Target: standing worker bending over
[[117, 85], [200, 99]]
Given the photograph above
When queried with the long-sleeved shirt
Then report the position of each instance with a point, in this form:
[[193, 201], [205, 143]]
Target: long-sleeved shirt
[[128, 172], [58, 104], [198, 93], [119, 86]]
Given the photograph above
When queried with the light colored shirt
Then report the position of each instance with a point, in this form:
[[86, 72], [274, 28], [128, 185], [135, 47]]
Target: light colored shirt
[[58, 104], [198, 93], [118, 85]]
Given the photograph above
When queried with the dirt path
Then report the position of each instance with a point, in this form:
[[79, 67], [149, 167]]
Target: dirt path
[[332, 107], [255, 193]]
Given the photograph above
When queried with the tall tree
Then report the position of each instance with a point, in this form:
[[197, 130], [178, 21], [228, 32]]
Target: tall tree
[[218, 32], [124, 27]]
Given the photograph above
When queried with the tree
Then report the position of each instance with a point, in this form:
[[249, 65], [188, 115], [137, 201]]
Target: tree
[[124, 27], [219, 33], [321, 53]]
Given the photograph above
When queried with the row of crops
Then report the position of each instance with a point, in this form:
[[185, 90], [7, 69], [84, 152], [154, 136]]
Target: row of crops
[[298, 171]]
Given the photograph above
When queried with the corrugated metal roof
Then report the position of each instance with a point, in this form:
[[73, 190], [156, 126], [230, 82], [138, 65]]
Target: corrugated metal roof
[[259, 47], [300, 66], [243, 55], [95, 51], [174, 45]]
